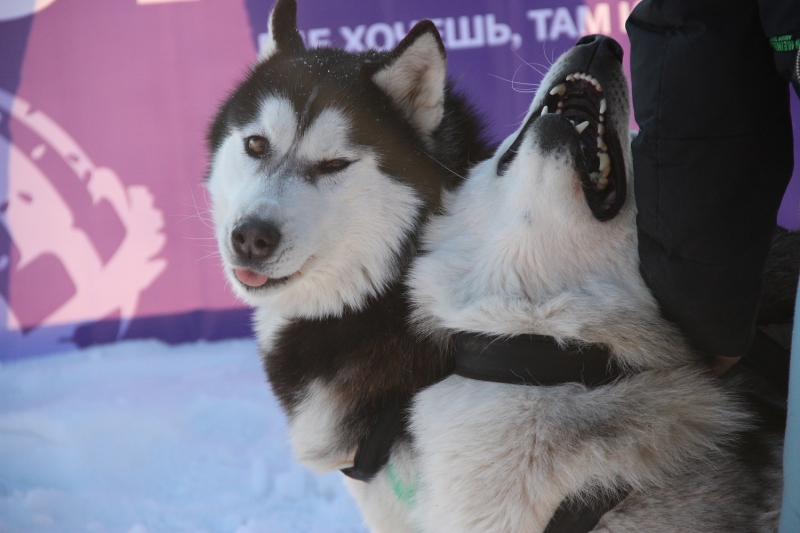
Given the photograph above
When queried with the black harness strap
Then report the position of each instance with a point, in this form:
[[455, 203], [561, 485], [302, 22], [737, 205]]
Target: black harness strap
[[540, 361], [374, 449], [576, 516], [521, 360], [532, 360]]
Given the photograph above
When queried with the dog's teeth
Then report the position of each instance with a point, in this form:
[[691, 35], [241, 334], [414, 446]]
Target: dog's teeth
[[601, 144], [603, 106], [560, 105], [571, 77], [601, 118], [545, 110], [558, 89], [605, 162], [578, 76], [597, 86], [601, 129], [599, 180], [558, 111], [582, 126]]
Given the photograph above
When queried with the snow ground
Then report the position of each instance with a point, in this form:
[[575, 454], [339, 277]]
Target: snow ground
[[141, 437]]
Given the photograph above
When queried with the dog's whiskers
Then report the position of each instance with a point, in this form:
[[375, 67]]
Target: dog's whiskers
[[440, 163], [531, 64], [550, 59], [197, 210], [207, 256], [514, 83], [184, 218]]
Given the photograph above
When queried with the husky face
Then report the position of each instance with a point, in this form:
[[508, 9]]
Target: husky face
[[281, 214], [319, 174], [550, 211]]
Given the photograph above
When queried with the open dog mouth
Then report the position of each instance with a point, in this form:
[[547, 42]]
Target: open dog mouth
[[579, 99]]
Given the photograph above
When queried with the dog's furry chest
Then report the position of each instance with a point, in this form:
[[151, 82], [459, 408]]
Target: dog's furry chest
[[334, 376], [531, 447]]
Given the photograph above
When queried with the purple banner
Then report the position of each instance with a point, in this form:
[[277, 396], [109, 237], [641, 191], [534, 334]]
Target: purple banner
[[104, 230]]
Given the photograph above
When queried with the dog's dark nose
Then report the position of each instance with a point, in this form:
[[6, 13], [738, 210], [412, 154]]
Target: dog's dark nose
[[604, 44], [254, 239]]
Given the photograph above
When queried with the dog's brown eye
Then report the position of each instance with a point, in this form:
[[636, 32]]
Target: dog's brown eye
[[256, 146], [333, 165]]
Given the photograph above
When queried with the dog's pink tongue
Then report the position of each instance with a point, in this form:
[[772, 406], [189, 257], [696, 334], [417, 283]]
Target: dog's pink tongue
[[248, 277]]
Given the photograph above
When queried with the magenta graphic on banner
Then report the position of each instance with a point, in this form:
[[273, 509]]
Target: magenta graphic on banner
[[104, 232]]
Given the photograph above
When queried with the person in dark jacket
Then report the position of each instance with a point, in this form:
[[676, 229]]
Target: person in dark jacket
[[712, 161]]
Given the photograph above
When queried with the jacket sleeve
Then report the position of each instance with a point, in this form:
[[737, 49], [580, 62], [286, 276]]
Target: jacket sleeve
[[711, 163]]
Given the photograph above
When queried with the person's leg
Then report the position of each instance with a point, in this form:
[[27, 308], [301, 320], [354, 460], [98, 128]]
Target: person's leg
[[790, 512], [781, 22], [711, 162]]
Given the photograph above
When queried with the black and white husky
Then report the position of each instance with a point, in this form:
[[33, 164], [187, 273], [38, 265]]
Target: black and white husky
[[324, 165], [536, 254]]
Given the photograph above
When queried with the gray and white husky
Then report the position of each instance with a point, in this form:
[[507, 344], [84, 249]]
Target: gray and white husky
[[324, 166], [541, 239]]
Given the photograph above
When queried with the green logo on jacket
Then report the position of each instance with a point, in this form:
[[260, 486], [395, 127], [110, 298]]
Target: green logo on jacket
[[784, 43]]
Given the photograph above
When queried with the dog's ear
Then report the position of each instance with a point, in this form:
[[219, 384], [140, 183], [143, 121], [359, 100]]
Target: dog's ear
[[283, 36], [415, 76]]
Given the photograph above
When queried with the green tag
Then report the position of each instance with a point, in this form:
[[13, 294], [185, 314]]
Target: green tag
[[405, 492], [784, 43]]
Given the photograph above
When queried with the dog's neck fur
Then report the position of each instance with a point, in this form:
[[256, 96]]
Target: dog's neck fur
[[579, 288], [528, 270], [520, 252]]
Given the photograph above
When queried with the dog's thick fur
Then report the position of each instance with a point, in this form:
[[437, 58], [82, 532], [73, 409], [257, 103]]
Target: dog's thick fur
[[324, 166], [536, 242]]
